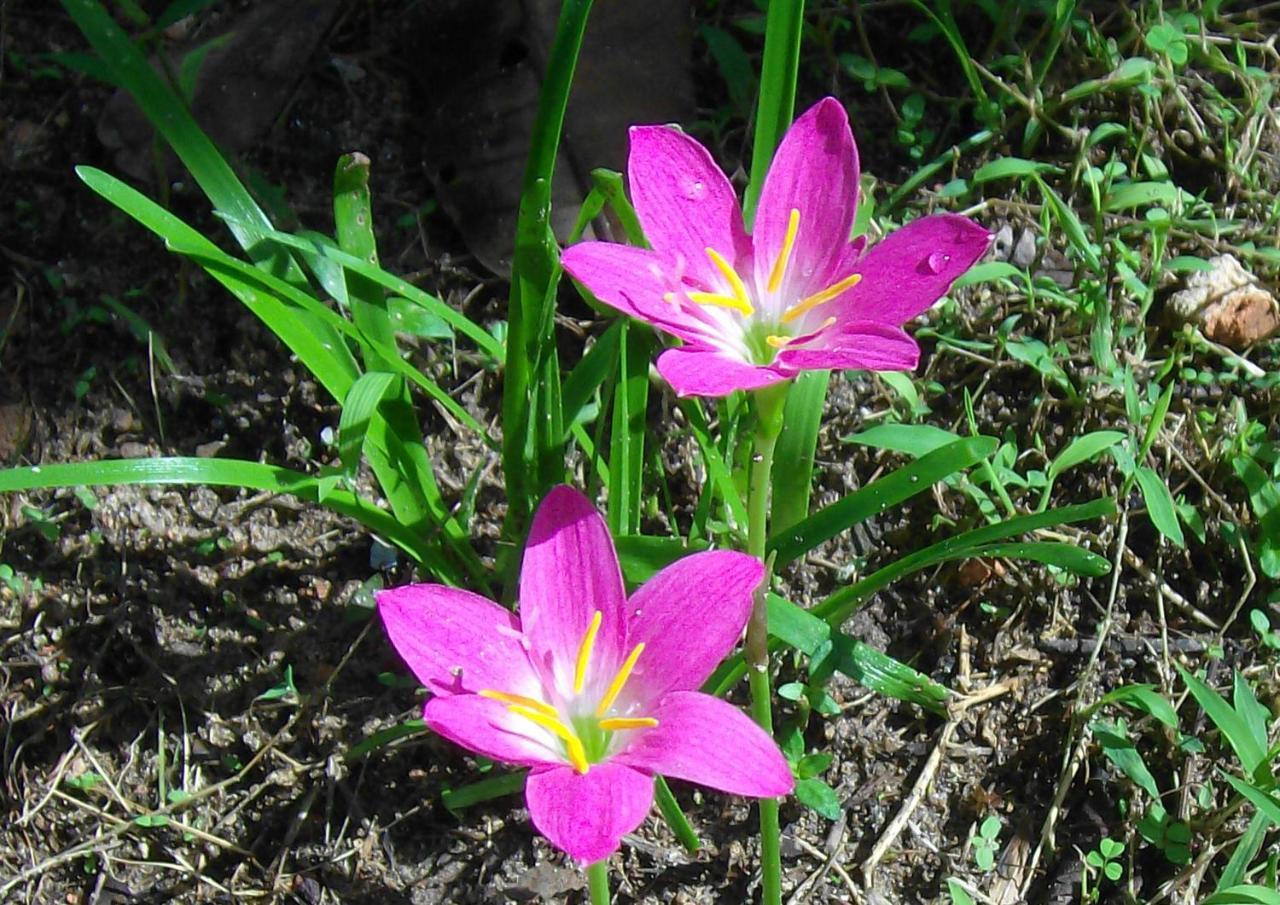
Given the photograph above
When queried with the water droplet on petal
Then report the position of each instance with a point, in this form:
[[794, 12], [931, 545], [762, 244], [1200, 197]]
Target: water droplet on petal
[[935, 263], [694, 190]]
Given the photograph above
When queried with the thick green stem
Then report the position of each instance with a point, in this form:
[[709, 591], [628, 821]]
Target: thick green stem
[[769, 409], [598, 882]]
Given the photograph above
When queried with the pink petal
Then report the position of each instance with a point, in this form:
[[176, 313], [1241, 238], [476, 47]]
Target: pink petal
[[570, 571], [701, 371], [456, 641], [911, 268], [487, 727], [858, 346], [633, 280], [814, 171], [587, 814], [689, 616], [684, 202], [707, 741]]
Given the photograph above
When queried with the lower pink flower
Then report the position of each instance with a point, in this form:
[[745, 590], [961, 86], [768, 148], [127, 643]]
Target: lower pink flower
[[594, 691]]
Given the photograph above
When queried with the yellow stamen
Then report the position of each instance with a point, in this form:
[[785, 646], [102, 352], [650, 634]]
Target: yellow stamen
[[721, 301], [819, 298], [573, 746], [615, 687], [521, 701], [780, 265], [735, 281], [584, 653], [613, 724], [777, 341]]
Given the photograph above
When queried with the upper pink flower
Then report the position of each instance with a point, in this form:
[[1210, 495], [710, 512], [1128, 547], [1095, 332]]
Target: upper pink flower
[[594, 691], [796, 294]]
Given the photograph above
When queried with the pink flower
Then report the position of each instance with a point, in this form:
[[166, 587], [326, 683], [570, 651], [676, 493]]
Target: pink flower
[[595, 692], [796, 294]]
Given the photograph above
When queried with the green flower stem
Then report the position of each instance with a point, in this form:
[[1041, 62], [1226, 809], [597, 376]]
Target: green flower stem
[[598, 882], [770, 404], [784, 24]]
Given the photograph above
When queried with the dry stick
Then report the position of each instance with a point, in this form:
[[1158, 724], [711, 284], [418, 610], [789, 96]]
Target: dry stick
[[1164, 592], [834, 840], [912, 801], [169, 810], [835, 868], [930, 769], [1076, 756]]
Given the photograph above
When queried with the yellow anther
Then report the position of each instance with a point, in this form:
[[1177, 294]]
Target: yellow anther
[[573, 745], [613, 724], [735, 281], [819, 298], [615, 687], [780, 265], [721, 301], [521, 701], [584, 653]]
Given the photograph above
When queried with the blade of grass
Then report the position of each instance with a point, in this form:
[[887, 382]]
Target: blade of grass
[[224, 473], [626, 453], [533, 269], [784, 24], [800, 421]]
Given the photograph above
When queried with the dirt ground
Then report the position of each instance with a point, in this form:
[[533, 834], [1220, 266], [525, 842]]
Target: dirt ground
[[164, 643]]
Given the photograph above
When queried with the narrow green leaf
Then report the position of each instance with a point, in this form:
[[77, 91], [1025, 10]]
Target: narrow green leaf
[[1007, 167], [1145, 698], [795, 626], [384, 737], [642, 556], [224, 473], [1253, 714], [590, 372], [775, 106], [1244, 894], [1071, 225], [1121, 751], [1233, 727], [884, 675], [1126, 195], [1160, 507], [626, 446], [913, 439], [674, 816], [902, 484], [1081, 450], [793, 483], [1265, 803], [353, 219], [487, 789], [358, 409]]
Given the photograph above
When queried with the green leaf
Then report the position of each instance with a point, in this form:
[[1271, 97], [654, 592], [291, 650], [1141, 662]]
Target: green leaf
[[1007, 167], [590, 372], [1120, 750], [1244, 894], [915, 440], [1232, 725], [899, 485], [1255, 716], [626, 448], [1082, 449], [884, 675], [1265, 803], [384, 737], [151, 821], [735, 66], [990, 271], [819, 796], [795, 626], [1071, 226], [487, 789], [802, 417], [225, 473], [1125, 195], [1132, 72], [358, 409], [1143, 697], [642, 557], [1160, 506]]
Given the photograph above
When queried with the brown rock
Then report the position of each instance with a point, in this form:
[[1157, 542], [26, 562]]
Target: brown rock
[[1228, 304]]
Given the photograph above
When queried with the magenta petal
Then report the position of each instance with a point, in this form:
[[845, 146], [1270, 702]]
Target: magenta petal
[[707, 741], [684, 202], [859, 346], [814, 171], [701, 371], [570, 571], [689, 616], [911, 268], [633, 280], [586, 814], [489, 728], [454, 640]]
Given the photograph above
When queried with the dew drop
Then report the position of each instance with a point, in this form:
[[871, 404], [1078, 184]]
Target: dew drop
[[695, 190], [35, 469], [915, 479], [936, 262]]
